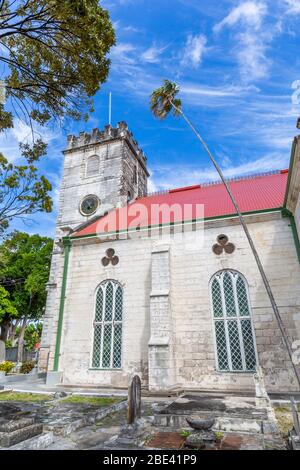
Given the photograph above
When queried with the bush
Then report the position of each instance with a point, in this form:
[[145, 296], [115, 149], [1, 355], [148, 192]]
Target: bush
[[27, 367], [6, 366], [8, 344]]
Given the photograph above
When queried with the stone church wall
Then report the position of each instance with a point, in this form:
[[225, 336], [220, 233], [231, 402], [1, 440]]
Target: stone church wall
[[195, 352], [85, 274], [167, 304]]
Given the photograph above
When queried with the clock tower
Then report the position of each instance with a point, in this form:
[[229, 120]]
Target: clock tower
[[102, 170]]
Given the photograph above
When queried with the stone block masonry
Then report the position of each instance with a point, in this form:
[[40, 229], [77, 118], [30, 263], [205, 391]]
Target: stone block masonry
[[168, 336], [120, 175]]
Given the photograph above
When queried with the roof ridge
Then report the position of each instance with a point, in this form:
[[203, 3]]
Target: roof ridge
[[215, 183]]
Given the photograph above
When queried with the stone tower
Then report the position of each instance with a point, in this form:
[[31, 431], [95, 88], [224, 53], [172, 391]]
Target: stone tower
[[102, 170]]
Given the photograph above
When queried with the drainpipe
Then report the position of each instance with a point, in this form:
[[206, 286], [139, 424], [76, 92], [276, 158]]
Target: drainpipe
[[67, 249], [287, 213]]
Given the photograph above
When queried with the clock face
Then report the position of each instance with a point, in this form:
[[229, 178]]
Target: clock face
[[89, 205]]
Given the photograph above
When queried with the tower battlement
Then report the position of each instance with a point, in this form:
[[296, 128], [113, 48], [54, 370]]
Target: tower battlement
[[108, 134]]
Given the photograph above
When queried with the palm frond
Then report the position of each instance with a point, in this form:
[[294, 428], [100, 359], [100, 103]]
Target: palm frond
[[163, 99]]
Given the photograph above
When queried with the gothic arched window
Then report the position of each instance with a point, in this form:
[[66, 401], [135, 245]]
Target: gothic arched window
[[107, 347], [92, 165], [234, 334]]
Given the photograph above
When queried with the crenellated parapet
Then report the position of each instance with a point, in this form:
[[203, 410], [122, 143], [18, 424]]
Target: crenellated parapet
[[108, 134]]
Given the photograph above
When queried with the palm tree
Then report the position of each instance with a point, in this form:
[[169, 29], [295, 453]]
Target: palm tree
[[163, 101]]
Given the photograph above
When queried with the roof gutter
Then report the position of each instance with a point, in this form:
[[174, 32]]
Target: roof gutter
[[173, 224]]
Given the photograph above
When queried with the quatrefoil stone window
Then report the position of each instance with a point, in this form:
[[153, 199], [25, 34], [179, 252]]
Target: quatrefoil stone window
[[110, 258], [223, 245]]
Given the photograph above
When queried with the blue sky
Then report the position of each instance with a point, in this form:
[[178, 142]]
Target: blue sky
[[238, 66]]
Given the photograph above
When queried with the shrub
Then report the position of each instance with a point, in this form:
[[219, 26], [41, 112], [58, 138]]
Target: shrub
[[8, 344], [219, 435], [27, 367], [6, 366], [185, 433]]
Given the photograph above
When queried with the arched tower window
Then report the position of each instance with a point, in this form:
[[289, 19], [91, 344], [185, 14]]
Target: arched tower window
[[234, 334], [107, 347], [92, 165]]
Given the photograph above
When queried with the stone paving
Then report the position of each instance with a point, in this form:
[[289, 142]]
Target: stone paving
[[84, 426], [108, 433]]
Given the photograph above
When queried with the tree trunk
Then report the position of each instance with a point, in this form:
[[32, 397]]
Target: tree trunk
[[21, 340], [12, 335], [5, 324], [251, 243]]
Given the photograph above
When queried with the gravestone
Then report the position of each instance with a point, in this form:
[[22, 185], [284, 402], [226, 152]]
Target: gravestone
[[2, 351], [134, 400]]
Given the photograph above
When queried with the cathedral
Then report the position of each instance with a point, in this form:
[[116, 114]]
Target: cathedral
[[165, 285]]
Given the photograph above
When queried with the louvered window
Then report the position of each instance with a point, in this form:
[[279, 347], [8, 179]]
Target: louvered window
[[93, 166], [107, 347], [234, 334]]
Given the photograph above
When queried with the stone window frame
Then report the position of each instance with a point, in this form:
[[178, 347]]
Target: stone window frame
[[86, 166], [103, 285], [238, 318]]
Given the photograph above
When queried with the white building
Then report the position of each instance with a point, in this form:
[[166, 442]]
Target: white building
[[174, 296]]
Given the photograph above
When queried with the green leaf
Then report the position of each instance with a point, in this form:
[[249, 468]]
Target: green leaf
[[163, 100]]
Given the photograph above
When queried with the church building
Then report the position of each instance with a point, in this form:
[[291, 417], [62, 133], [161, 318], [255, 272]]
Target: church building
[[165, 285]]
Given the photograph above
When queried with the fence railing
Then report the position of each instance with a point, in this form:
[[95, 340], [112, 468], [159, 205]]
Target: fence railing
[[11, 354]]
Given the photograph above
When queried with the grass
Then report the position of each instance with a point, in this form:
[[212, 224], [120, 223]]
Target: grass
[[25, 397], [97, 401], [185, 433], [284, 418], [219, 435], [285, 408]]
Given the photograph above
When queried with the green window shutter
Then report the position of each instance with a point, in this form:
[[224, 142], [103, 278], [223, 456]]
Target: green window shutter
[[119, 304], [250, 356], [242, 297], [107, 343], [109, 297], [99, 305], [221, 345], [217, 299], [235, 345], [117, 351], [97, 346], [229, 295], [234, 337]]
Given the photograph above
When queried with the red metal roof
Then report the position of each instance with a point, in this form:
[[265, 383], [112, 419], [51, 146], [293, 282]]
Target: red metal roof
[[255, 193]]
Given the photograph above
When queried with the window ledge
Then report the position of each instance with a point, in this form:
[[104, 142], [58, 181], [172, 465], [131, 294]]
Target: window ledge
[[248, 372]]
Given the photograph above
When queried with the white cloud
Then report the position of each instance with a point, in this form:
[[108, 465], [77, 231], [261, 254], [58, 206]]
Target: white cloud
[[22, 133], [173, 176], [293, 6], [121, 53], [152, 55], [252, 59], [131, 29], [219, 92], [250, 13], [194, 49], [252, 37]]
